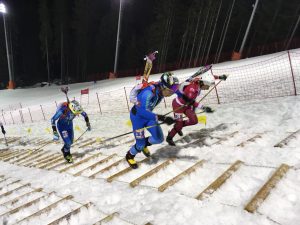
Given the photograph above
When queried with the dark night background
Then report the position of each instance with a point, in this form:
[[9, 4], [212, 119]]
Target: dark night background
[[81, 35]]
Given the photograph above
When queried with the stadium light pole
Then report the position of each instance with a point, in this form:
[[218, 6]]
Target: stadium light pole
[[118, 39], [248, 28], [11, 84]]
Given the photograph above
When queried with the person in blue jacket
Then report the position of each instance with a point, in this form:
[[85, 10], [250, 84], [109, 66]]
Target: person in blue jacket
[[142, 117], [64, 116]]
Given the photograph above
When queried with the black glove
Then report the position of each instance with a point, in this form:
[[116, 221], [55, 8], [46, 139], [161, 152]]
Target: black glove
[[3, 131], [166, 119], [223, 77], [207, 109], [88, 125], [54, 129]]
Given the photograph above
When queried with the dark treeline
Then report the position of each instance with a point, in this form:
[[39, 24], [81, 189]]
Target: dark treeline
[[78, 37]]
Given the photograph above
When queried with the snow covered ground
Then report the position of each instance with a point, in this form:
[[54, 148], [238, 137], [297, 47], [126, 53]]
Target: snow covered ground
[[223, 141]]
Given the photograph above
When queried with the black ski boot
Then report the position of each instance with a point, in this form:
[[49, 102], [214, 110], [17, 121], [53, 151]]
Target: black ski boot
[[170, 141], [130, 159], [180, 133], [67, 155]]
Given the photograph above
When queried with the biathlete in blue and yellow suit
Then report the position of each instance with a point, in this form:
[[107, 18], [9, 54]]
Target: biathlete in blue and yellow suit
[[65, 114], [142, 117]]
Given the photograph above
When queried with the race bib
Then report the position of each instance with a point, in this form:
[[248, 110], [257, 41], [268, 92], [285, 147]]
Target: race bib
[[139, 134]]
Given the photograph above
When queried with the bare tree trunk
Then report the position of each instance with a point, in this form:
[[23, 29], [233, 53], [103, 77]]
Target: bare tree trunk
[[213, 33], [184, 38], [207, 35], [195, 35], [271, 26], [226, 29], [61, 54], [168, 39], [165, 41], [47, 58], [202, 35]]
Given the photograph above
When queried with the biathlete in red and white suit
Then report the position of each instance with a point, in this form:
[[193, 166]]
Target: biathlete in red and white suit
[[185, 104]]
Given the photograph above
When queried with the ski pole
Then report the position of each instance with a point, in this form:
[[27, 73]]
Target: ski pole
[[80, 136], [121, 135]]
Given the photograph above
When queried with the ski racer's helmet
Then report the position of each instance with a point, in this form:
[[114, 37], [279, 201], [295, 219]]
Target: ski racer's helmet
[[75, 107], [207, 79], [167, 80]]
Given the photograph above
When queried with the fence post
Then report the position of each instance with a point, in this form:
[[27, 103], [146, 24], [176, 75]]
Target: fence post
[[56, 104], [43, 112], [30, 115], [21, 116], [99, 103], [126, 99], [215, 88], [292, 72], [3, 118], [12, 118]]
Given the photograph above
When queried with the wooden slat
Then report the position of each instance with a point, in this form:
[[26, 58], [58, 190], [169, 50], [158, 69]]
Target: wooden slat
[[286, 140], [219, 181], [15, 154], [87, 144], [13, 140], [7, 152], [43, 159], [122, 172], [80, 162], [226, 138], [53, 163], [1, 181], [44, 142], [95, 164], [107, 168], [45, 209], [13, 182], [15, 210], [63, 163], [81, 142], [68, 215], [24, 157], [41, 164], [16, 189], [33, 156], [41, 141], [137, 181], [22, 153], [242, 144], [263, 193], [37, 159], [16, 199], [107, 218], [186, 172]]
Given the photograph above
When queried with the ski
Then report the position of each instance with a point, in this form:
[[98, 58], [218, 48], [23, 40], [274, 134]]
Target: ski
[[202, 70], [149, 61]]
